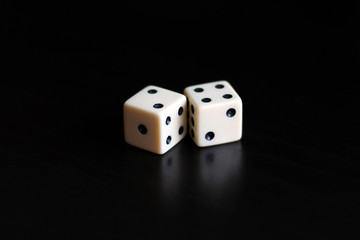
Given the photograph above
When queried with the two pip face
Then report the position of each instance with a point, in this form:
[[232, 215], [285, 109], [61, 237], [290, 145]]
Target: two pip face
[[156, 119]]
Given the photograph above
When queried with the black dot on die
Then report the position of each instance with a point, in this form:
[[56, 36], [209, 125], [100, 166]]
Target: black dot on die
[[227, 96], [152, 91], [219, 86], [192, 121], [231, 112], [198, 90], [192, 133], [181, 130], [181, 110], [158, 105], [168, 140], [168, 120], [206, 100], [192, 109], [142, 129], [209, 136]]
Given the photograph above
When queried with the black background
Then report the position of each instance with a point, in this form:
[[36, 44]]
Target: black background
[[68, 67]]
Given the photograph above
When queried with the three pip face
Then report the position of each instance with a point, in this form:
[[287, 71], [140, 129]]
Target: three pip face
[[156, 119]]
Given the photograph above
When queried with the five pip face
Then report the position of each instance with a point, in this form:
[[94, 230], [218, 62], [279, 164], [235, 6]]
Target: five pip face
[[156, 119]]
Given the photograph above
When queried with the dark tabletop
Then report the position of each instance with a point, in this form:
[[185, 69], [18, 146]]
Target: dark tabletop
[[66, 171]]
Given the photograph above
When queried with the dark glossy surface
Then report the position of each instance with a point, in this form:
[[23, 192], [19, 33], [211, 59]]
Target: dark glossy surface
[[66, 171]]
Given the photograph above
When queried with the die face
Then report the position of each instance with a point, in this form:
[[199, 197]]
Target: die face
[[219, 124], [209, 94], [155, 119], [173, 124], [153, 99], [215, 113], [142, 129]]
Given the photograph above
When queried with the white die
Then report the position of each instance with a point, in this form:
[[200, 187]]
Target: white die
[[155, 119], [215, 113]]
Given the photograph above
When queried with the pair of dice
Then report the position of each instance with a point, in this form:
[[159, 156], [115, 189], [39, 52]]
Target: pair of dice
[[156, 119]]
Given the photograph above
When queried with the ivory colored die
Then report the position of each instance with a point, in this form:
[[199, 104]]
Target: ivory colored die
[[215, 113], [155, 119]]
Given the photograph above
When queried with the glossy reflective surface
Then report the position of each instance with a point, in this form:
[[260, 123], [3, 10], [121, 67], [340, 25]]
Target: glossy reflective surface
[[66, 171]]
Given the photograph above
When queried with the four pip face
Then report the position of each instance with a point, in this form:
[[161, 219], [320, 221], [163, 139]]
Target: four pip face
[[156, 119]]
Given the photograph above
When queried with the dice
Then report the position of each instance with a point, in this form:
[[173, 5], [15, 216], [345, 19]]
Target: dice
[[155, 119], [215, 113]]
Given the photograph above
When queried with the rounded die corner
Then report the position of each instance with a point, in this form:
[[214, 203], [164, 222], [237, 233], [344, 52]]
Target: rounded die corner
[[160, 151], [223, 81]]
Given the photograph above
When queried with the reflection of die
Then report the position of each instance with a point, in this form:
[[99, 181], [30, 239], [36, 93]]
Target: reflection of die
[[215, 113], [155, 119]]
